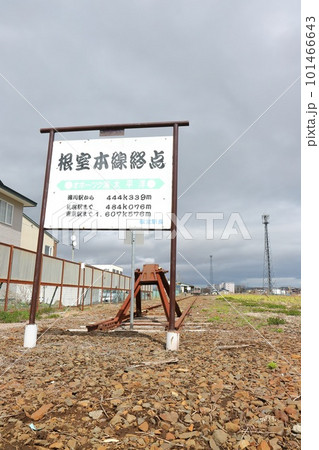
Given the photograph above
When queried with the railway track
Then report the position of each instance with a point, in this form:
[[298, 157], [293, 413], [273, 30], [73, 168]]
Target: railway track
[[144, 320]]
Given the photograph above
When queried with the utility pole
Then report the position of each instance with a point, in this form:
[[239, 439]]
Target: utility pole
[[267, 279], [211, 272]]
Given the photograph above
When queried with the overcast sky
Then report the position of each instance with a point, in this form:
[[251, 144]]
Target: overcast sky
[[231, 68]]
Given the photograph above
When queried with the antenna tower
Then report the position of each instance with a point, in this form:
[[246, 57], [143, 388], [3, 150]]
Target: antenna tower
[[211, 271], [267, 276]]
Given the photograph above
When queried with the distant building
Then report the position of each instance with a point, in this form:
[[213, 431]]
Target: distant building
[[281, 291], [29, 237], [227, 286], [183, 288], [109, 268], [11, 214]]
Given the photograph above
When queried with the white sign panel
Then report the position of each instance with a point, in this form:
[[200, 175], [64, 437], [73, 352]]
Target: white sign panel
[[122, 183]]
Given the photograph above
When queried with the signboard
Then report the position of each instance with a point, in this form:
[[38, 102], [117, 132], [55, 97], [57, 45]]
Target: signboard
[[121, 183]]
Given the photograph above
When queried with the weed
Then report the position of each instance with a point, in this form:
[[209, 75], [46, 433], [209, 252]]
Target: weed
[[293, 312], [275, 321], [214, 319], [272, 365], [13, 316]]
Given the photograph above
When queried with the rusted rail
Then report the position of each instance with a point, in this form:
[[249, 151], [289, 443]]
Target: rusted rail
[[115, 322]]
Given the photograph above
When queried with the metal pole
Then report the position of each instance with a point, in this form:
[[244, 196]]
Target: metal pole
[[172, 287], [132, 280], [37, 269], [268, 259], [117, 126]]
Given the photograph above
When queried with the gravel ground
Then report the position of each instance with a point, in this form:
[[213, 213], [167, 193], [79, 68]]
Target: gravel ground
[[123, 390]]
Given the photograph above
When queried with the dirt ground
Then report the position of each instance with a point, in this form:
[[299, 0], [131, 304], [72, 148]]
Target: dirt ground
[[231, 385]]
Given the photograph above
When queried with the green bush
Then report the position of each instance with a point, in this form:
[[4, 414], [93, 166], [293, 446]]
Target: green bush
[[275, 321]]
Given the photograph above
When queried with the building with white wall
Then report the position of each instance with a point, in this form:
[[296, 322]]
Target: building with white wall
[[11, 213], [227, 286]]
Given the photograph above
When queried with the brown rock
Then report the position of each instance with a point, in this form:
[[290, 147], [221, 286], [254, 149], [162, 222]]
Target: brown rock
[[130, 418], [171, 417], [220, 436], [84, 403], [72, 444], [232, 427], [95, 415], [277, 429], [188, 434], [281, 415], [115, 420], [213, 445], [274, 444], [243, 444], [144, 426], [263, 446], [41, 412], [196, 418], [59, 444], [291, 411], [169, 436]]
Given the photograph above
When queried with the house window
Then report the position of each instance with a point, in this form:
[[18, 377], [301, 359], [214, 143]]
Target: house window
[[48, 250], [6, 212]]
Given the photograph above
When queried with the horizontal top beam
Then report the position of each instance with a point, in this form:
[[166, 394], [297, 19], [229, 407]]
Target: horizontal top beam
[[117, 126]]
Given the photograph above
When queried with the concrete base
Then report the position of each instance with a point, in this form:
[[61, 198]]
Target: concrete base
[[30, 336], [172, 340]]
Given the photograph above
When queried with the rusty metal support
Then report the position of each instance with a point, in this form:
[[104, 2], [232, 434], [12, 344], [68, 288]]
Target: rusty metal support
[[167, 289], [118, 126], [151, 275], [161, 289], [138, 299], [180, 321], [172, 275], [37, 268]]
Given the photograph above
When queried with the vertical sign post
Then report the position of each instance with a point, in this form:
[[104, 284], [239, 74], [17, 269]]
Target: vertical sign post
[[132, 280], [141, 197], [30, 335], [172, 341]]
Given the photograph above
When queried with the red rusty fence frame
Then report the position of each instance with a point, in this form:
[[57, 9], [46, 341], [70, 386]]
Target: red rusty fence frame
[[81, 285]]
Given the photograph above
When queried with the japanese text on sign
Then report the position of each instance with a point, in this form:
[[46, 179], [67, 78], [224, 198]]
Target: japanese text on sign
[[113, 183]]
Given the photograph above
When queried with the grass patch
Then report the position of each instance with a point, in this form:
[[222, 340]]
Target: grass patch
[[53, 316], [13, 316], [22, 315], [256, 303], [275, 321], [214, 319]]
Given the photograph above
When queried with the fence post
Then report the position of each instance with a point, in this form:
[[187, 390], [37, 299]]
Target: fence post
[[61, 288], [78, 291], [92, 280], [5, 308], [101, 301]]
